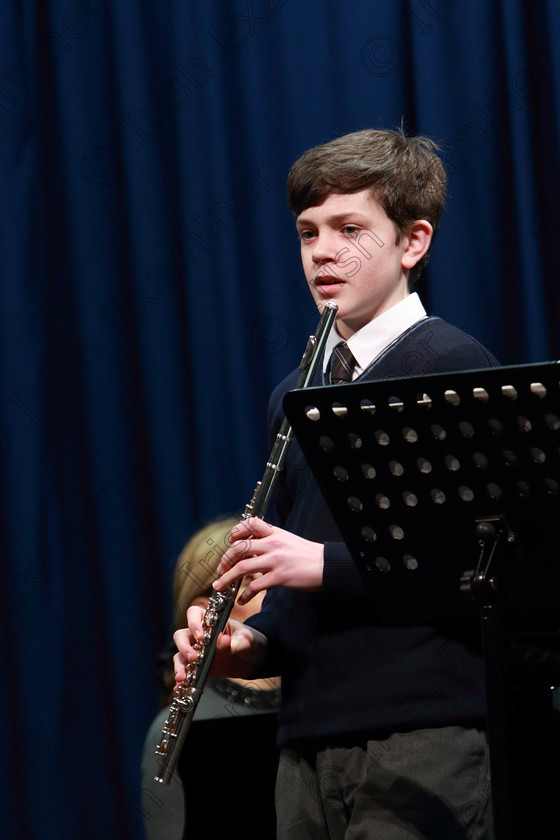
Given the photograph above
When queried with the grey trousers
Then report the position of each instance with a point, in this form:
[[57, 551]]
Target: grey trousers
[[429, 784]]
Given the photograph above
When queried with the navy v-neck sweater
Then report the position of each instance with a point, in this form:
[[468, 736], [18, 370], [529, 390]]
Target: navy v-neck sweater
[[346, 677]]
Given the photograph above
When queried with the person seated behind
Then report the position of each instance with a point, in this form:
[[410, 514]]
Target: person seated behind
[[233, 729]]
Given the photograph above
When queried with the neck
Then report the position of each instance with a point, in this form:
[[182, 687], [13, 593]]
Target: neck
[[346, 328]]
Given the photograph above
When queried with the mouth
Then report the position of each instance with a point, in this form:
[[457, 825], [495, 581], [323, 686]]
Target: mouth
[[327, 283]]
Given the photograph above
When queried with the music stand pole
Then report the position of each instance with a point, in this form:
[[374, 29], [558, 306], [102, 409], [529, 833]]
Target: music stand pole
[[493, 535]]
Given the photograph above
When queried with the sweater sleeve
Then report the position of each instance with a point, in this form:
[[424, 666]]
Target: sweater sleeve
[[341, 576], [266, 621]]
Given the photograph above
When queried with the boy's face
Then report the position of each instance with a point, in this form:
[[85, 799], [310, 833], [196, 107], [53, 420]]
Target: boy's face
[[349, 255]]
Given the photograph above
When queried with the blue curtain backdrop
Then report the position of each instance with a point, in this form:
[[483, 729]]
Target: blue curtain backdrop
[[152, 296]]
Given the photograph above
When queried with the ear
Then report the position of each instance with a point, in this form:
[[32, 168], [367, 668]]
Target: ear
[[419, 236]]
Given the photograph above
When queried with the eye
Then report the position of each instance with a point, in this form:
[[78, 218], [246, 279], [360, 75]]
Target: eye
[[350, 230], [306, 235]]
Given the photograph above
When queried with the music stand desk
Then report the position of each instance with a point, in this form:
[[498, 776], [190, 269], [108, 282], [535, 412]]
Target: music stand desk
[[446, 489]]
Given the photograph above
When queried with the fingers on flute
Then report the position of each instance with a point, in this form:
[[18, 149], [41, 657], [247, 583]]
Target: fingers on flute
[[253, 527], [238, 550], [195, 616], [185, 639], [180, 668]]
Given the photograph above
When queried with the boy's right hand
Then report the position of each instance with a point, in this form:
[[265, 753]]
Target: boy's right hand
[[239, 649]]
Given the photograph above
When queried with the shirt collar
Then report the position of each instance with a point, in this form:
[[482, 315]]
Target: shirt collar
[[368, 342]]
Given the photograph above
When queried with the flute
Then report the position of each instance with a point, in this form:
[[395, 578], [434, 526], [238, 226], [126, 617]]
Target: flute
[[220, 604]]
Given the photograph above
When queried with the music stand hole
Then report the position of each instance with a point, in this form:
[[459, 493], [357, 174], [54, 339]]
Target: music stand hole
[[354, 504], [395, 403], [509, 458], [538, 389], [367, 406], [495, 426], [396, 468], [368, 534], [551, 486], [368, 471], [452, 397], [396, 532], [480, 460], [410, 435], [524, 424], [409, 498], [509, 391], [383, 502], [481, 394], [437, 496], [382, 564], [494, 491], [354, 440], [424, 400], [341, 473], [326, 443], [312, 413], [552, 421], [466, 494], [466, 429], [537, 455], [410, 562], [339, 409], [382, 437], [452, 463], [523, 489], [424, 465], [438, 432]]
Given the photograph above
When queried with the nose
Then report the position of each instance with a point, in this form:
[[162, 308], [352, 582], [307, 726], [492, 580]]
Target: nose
[[325, 248]]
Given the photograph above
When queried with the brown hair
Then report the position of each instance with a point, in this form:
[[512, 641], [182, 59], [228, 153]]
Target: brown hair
[[405, 175]]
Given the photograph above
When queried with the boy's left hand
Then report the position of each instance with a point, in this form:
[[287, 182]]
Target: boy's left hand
[[277, 557]]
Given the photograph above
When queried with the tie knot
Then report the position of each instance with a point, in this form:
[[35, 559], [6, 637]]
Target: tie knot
[[342, 364]]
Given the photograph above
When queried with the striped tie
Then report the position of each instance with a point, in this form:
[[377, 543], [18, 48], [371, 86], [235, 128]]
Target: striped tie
[[342, 364]]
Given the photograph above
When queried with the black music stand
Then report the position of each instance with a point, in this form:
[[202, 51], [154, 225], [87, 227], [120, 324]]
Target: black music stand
[[445, 489]]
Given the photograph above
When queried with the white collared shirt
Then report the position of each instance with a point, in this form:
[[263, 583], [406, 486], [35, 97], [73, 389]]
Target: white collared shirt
[[367, 343]]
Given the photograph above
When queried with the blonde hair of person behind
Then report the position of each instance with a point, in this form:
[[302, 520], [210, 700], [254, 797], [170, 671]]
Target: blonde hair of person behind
[[196, 565]]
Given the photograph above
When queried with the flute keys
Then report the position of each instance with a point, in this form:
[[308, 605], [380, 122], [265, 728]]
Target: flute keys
[[163, 745], [186, 703], [199, 647], [210, 618]]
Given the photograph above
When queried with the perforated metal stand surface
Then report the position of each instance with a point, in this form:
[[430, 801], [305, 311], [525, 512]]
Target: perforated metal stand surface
[[409, 466], [446, 489]]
